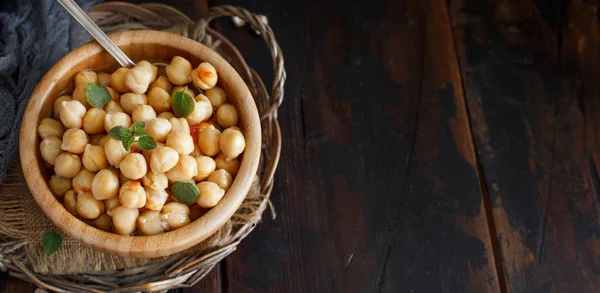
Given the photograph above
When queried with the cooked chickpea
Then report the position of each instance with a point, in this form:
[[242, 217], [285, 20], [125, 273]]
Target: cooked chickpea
[[222, 178], [94, 158], [143, 113], [176, 215], [180, 141], [185, 89], [56, 107], [104, 140], [148, 153], [103, 78], [113, 106], [93, 121], [111, 203], [202, 111], [185, 169], [156, 181], [67, 165], [216, 96], [150, 223], [163, 159], [179, 71], [88, 207], [113, 119], [205, 76], [79, 94], [206, 165], [114, 152], [130, 100], [59, 185], [163, 83], [227, 115], [105, 184], [158, 128], [179, 124], [50, 149], [210, 194], [166, 115], [153, 69], [232, 166], [124, 219], [50, 127], [82, 182], [74, 141], [117, 80], [138, 79], [132, 195], [84, 77], [103, 222], [70, 202], [208, 141], [134, 166], [71, 113], [159, 99], [114, 95], [155, 198], [232, 143]]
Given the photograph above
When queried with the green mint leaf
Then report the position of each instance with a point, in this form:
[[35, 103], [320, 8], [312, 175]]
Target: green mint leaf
[[146, 142], [128, 142], [51, 242], [138, 128], [185, 192], [97, 95], [120, 133], [183, 104]]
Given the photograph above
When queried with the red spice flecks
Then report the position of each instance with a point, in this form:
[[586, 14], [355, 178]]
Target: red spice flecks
[[196, 128], [136, 183], [135, 148], [204, 74]]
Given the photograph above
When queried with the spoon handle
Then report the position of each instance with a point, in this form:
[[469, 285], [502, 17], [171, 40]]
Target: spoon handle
[[79, 15]]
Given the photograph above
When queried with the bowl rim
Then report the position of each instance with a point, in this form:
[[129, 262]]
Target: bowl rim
[[140, 246]]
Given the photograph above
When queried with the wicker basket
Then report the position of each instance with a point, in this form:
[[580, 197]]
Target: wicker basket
[[182, 270]]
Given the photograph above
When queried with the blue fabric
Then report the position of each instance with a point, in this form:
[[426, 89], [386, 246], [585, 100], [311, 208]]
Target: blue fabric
[[35, 34]]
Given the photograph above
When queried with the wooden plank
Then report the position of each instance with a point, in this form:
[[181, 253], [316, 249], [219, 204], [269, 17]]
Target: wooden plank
[[377, 189], [534, 125]]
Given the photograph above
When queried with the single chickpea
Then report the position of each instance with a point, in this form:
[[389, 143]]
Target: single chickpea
[[163, 83], [132, 195], [150, 223], [70, 202], [222, 178], [179, 124], [50, 149], [184, 89], [94, 158], [79, 94], [143, 113], [185, 169], [156, 181], [114, 152], [148, 153], [84, 77], [180, 141], [163, 159], [153, 69], [176, 215], [208, 141], [67, 165], [196, 212], [50, 127], [133, 166], [158, 128], [56, 106], [103, 78], [159, 99], [88, 207], [59, 185], [205, 76], [206, 165], [74, 141], [232, 143], [202, 111], [105, 184], [82, 182], [111, 203], [71, 113], [114, 95], [155, 198], [103, 222], [117, 80], [138, 79], [179, 71], [216, 96], [130, 100], [113, 106], [166, 115], [210, 194], [124, 219], [232, 166], [227, 115], [113, 119], [93, 121]]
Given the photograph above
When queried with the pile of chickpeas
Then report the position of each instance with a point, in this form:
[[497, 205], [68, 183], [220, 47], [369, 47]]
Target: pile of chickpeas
[[129, 192]]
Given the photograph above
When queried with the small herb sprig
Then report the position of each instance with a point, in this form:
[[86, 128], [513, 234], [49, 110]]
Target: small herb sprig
[[136, 133], [183, 104], [97, 95], [51, 242], [185, 192]]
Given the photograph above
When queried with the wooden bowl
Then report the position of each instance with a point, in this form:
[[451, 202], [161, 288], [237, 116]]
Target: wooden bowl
[[153, 46]]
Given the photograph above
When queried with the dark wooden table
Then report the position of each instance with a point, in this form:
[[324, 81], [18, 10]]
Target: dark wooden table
[[428, 146]]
